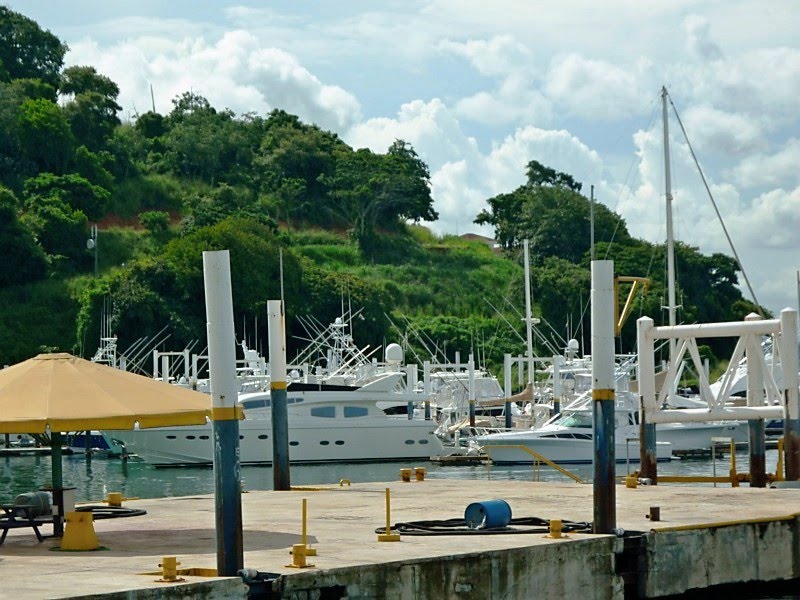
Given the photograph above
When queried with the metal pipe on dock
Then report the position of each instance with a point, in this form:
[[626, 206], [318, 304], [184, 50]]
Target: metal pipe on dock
[[605, 516], [648, 457], [755, 398], [224, 413], [791, 418], [277, 385]]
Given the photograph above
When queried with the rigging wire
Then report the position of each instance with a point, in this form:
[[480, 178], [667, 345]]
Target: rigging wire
[[716, 209]]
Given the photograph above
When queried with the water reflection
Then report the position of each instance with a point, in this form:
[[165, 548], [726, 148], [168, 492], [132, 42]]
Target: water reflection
[[93, 479]]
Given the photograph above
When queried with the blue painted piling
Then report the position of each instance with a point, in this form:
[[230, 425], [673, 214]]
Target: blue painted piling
[[281, 477], [602, 297], [224, 411]]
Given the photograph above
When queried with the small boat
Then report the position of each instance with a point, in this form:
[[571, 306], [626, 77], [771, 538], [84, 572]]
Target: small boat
[[99, 444]]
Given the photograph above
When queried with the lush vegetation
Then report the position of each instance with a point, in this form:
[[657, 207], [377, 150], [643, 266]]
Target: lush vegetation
[[303, 215]]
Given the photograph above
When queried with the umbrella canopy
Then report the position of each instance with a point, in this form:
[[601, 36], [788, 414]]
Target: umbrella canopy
[[67, 393]]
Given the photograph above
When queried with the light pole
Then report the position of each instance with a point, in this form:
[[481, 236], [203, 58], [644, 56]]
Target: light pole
[[91, 244]]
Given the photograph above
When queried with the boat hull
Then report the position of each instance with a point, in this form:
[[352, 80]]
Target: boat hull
[[381, 440], [510, 448]]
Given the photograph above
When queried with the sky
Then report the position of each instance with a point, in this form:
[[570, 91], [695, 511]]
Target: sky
[[482, 88]]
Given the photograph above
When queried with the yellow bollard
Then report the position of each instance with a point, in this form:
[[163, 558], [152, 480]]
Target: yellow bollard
[[299, 557], [114, 499], [631, 481], [169, 570], [556, 527], [405, 475], [79, 532], [419, 473], [389, 536], [309, 551], [343, 481]]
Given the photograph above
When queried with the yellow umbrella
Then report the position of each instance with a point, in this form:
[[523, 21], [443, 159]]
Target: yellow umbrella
[[66, 393], [61, 392]]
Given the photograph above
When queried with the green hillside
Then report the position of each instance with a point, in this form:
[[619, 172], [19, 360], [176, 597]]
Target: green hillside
[[345, 223]]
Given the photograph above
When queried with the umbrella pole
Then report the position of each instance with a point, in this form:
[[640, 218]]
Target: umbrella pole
[[58, 482]]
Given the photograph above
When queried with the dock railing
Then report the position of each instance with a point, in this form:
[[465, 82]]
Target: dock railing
[[538, 459]]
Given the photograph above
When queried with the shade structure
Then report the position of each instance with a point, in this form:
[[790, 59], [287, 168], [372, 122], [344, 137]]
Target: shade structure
[[61, 392]]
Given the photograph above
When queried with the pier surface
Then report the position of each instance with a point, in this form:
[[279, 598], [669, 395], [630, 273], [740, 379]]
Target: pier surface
[[352, 563]]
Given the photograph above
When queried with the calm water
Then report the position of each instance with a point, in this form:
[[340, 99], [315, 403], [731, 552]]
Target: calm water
[[95, 478]]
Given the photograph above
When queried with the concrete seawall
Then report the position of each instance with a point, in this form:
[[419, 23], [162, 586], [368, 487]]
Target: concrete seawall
[[706, 536]]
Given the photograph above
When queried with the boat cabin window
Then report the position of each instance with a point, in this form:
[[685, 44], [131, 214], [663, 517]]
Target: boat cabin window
[[576, 420], [355, 411], [293, 400], [256, 403], [327, 412]]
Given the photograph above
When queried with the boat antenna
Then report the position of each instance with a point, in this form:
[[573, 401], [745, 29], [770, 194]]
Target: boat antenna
[[591, 221], [714, 204]]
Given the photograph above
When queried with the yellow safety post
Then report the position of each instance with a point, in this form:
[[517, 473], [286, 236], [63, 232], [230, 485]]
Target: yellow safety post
[[115, 499], [405, 475], [169, 570], [556, 527], [419, 473], [631, 481], [309, 551], [388, 536], [79, 532], [299, 557], [734, 476]]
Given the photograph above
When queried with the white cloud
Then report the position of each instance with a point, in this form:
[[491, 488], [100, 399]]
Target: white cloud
[[236, 71], [773, 220], [593, 89], [726, 132], [501, 55], [430, 127], [769, 169], [699, 40]]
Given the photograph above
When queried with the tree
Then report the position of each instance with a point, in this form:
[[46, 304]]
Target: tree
[[73, 190], [45, 136], [17, 246], [156, 223], [27, 51], [367, 190], [92, 108], [540, 175], [201, 142], [553, 215], [294, 158], [61, 230]]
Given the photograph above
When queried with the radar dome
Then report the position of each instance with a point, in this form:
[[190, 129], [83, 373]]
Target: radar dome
[[394, 353]]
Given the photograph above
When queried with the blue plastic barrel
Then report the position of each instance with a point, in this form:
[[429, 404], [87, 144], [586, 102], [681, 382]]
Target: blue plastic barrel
[[489, 514]]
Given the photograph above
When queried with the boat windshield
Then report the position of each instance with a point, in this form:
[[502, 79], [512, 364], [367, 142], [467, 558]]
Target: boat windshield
[[576, 420]]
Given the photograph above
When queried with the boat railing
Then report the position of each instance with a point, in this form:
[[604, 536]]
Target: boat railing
[[537, 462]]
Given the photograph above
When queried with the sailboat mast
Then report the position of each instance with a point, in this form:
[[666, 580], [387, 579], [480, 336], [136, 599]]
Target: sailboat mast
[[670, 236], [528, 311]]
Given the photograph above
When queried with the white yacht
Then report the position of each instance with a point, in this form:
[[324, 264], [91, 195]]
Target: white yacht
[[567, 437], [327, 423]]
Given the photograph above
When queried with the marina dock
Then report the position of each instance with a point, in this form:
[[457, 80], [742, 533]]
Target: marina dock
[[705, 537]]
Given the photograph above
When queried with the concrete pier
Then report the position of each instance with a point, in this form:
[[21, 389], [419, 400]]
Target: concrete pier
[[705, 536]]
